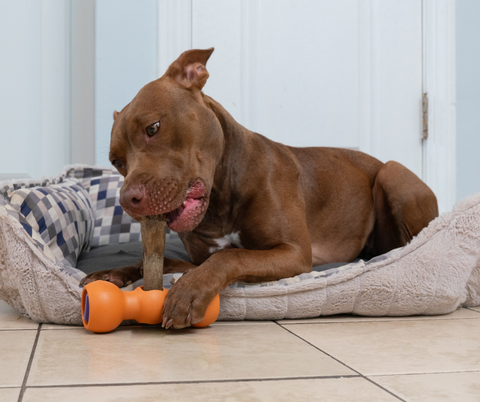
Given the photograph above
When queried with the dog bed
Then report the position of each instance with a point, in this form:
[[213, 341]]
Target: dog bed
[[51, 228]]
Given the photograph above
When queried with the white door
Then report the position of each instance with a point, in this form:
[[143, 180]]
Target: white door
[[342, 73]]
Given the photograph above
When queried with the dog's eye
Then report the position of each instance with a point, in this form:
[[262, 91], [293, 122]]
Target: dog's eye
[[152, 130], [117, 164]]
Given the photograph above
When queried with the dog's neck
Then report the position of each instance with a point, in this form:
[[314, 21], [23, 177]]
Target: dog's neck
[[230, 171]]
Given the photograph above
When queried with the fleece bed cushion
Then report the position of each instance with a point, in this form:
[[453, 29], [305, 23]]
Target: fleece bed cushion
[[48, 226], [122, 255]]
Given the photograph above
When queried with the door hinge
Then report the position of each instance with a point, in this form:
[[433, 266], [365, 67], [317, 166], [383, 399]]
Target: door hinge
[[425, 116]]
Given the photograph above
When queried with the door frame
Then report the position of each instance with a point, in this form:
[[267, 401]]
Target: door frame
[[82, 86], [439, 82]]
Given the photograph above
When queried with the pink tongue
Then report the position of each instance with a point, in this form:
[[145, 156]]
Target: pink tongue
[[197, 190], [187, 219]]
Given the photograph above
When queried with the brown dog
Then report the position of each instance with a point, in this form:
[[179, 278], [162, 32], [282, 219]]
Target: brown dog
[[245, 207]]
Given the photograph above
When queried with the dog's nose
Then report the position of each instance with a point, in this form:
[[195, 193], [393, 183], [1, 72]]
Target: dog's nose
[[131, 198]]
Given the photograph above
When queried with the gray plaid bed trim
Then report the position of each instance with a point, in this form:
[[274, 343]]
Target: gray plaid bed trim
[[58, 218], [7, 189], [112, 224]]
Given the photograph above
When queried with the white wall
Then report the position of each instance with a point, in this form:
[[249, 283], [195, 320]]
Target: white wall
[[46, 86], [468, 97], [35, 87], [125, 60]]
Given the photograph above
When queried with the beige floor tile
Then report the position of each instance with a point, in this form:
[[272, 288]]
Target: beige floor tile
[[57, 326], [9, 394], [151, 355], [475, 308], [15, 349], [331, 390], [10, 319], [460, 313], [399, 347], [454, 387]]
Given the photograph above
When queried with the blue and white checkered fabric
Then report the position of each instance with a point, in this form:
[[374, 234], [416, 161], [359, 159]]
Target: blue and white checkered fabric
[[58, 216], [112, 224]]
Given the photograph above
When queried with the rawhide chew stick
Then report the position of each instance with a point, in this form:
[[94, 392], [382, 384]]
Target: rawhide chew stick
[[154, 229]]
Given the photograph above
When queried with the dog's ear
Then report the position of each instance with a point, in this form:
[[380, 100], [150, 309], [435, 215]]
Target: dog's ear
[[189, 69], [115, 114]]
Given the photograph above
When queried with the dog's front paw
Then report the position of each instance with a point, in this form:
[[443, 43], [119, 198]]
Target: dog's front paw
[[118, 276], [188, 299]]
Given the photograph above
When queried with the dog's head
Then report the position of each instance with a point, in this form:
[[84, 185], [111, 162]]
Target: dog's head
[[167, 144]]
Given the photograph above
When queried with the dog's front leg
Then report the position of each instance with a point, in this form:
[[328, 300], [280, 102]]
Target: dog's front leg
[[189, 298], [126, 275]]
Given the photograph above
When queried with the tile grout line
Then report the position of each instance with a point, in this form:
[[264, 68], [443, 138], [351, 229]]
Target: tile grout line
[[233, 380], [29, 365], [342, 363], [427, 373], [369, 321], [17, 329]]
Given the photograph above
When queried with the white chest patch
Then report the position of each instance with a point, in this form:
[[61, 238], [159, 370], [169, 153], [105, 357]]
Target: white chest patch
[[232, 239]]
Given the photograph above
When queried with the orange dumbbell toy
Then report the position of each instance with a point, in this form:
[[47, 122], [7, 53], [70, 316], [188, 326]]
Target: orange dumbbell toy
[[105, 306]]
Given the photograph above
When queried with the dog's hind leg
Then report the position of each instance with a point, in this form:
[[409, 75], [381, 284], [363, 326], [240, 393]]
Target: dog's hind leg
[[403, 204]]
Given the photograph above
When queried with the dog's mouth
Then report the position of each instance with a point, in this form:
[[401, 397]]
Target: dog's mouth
[[188, 215], [160, 198]]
